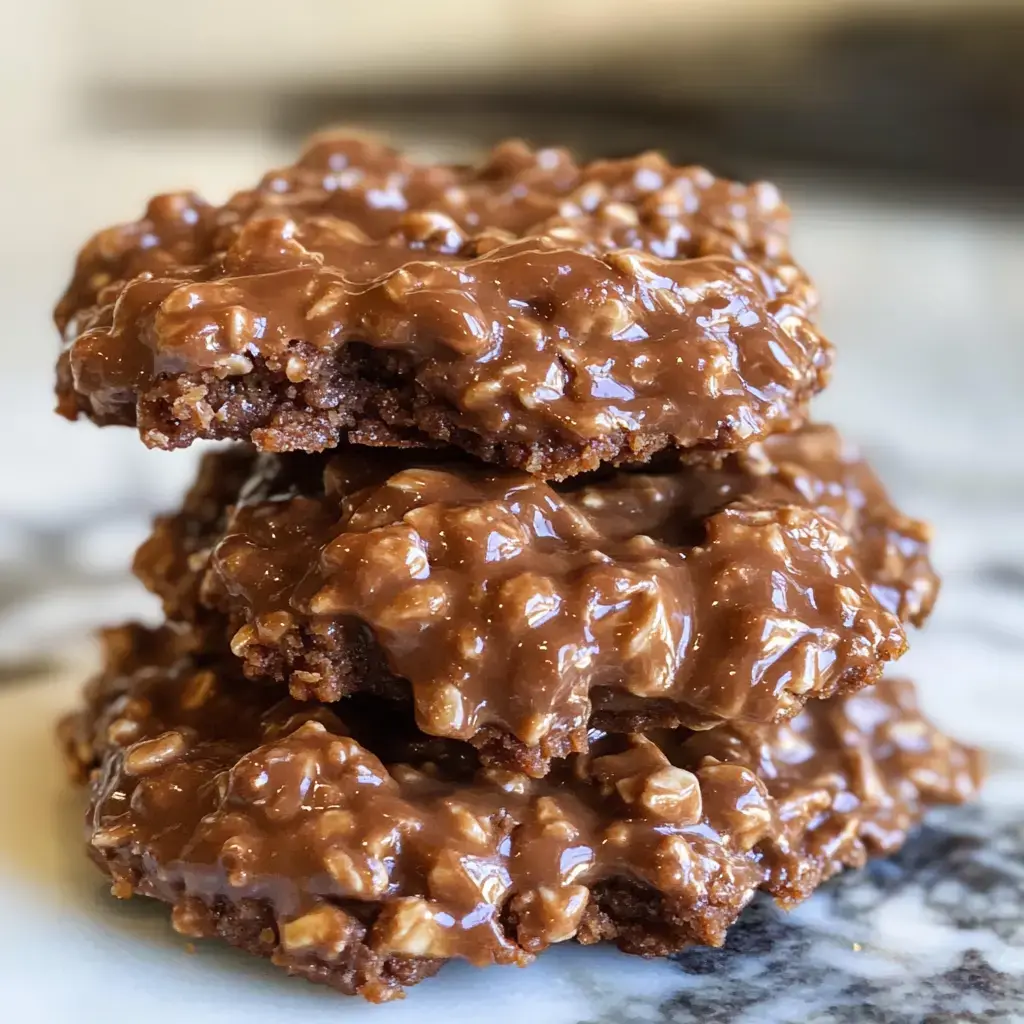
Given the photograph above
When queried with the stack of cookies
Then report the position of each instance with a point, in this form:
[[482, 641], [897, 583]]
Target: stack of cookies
[[528, 605]]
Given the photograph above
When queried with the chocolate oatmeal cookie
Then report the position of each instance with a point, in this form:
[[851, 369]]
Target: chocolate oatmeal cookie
[[349, 853], [536, 313], [518, 614]]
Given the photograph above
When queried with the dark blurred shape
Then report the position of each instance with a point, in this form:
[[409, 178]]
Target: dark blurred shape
[[938, 98], [944, 99]]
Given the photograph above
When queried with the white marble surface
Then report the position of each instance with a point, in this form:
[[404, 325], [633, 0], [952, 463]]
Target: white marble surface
[[925, 303]]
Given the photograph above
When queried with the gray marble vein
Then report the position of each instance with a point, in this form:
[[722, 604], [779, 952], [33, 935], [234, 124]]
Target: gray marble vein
[[957, 894]]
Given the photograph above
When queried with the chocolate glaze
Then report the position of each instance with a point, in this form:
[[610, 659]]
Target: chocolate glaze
[[278, 827], [537, 313], [692, 595]]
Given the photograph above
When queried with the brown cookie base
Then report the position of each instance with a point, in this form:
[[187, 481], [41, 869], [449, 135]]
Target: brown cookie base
[[350, 404]]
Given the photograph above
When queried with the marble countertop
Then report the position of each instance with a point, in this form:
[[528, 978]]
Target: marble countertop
[[923, 297]]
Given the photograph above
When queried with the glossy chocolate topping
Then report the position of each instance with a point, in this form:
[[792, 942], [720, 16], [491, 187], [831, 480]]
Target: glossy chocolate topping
[[278, 826], [694, 594], [539, 314]]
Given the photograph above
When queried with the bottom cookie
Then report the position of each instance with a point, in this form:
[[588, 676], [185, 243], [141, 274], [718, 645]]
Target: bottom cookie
[[352, 850]]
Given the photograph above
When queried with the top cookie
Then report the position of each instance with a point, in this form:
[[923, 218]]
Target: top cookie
[[537, 313]]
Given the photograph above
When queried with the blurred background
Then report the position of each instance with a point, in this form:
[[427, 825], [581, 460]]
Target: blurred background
[[896, 130]]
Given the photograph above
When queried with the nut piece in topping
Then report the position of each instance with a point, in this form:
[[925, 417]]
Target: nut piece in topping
[[325, 931]]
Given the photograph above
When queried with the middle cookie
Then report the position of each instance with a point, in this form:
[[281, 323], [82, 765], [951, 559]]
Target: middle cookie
[[517, 613]]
